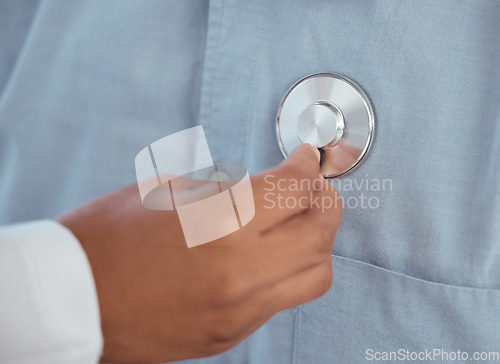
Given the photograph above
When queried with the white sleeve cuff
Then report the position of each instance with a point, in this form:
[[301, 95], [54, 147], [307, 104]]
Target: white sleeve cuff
[[49, 312]]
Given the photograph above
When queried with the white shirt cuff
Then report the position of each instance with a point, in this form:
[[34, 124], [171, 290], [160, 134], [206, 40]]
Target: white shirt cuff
[[49, 312]]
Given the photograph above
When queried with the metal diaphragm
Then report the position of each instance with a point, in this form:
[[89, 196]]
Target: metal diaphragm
[[331, 113]]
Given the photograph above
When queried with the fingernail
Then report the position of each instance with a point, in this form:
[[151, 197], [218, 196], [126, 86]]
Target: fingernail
[[316, 151]]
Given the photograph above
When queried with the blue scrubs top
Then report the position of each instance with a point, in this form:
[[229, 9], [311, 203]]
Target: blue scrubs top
[[86, 84]]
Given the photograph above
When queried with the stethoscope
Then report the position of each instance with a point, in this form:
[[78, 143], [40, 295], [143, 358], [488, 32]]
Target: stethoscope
[[326, 110], [333, 114]]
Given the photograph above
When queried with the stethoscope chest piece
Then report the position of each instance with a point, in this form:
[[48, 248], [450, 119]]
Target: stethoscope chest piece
[[331, 113]]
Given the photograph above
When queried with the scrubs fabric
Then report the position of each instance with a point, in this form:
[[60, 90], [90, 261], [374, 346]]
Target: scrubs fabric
[[86, 84]]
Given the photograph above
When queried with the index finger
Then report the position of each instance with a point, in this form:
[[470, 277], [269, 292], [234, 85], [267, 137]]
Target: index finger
[[285, 190]]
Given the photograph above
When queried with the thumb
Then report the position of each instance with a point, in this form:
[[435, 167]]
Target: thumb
[[304, 161]]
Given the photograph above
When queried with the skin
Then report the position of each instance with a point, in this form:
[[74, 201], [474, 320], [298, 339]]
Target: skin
[[160, 301]]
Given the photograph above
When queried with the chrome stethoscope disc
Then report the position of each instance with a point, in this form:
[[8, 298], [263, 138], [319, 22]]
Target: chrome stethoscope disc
[[331, 113]]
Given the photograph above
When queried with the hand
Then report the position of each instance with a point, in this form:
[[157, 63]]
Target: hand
[[160, 301]]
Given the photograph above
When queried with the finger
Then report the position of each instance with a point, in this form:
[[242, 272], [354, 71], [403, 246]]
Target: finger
[[322, 206], [233, 338], [277, 255], [305, 286], [277, 190], [304, 154], [341, 158]]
